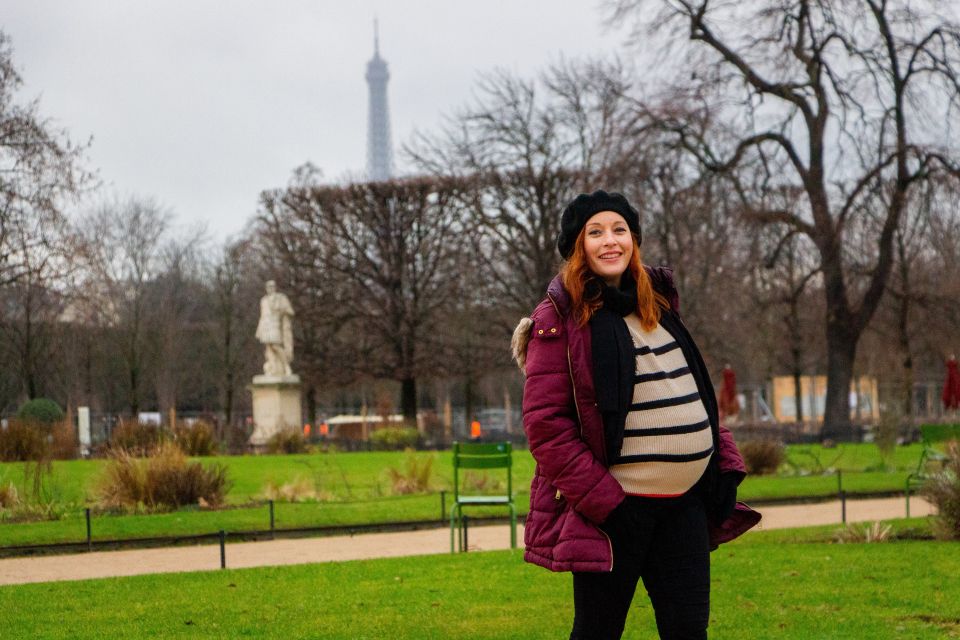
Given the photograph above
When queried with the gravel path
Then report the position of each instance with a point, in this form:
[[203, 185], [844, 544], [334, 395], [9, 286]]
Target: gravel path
[[103, 564]]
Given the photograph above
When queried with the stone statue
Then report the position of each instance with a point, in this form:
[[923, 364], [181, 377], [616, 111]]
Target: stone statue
[[275, 331]]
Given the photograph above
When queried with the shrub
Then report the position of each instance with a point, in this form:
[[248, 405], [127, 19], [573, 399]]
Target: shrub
[[42, 410], [299, 489], [481, 482], [9, 498], [287, 441], [870, 532], [197, 439], [27, 441], [762, 456], [36, 511], [394, 439], [23, 440], [164, 480], [415, 478], [136, 438], [943, 490], [64, 444]]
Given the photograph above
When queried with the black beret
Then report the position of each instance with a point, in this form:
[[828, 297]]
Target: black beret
[[584, 207]]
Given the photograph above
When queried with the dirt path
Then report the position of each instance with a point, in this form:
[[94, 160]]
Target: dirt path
[[103, 564]]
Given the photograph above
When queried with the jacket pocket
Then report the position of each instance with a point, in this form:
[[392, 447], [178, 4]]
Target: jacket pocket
[[545, 497]]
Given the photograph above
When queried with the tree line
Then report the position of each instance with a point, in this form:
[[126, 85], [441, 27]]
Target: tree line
[[794, 162]]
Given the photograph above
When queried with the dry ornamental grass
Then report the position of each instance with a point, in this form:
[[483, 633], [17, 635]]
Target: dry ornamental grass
[[164, 480], [943, 490], [762, 456], [415, 478]]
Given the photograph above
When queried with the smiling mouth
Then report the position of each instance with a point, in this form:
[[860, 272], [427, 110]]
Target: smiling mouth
[[610, 256]]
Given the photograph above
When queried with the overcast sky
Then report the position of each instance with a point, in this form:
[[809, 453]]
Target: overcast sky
[[203, 104]]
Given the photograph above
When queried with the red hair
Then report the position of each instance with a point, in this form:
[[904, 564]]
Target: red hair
[[575, 273]]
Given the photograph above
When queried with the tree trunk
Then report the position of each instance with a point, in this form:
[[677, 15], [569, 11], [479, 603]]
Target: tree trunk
[[468, 402], [796, 357], [134, 384], [228, 402], [312, 407], [228, 365], [841, 351], [28, 348], [408, 400], [903, 329], [88, 369], [903, 337], [842, 338]]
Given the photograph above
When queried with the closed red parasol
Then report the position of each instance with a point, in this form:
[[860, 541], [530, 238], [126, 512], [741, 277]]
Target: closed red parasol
[[729, 404], [951, 386]]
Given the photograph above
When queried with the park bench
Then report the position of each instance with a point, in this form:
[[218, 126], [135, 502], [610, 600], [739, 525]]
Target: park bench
[[480, 455], [931, 435]]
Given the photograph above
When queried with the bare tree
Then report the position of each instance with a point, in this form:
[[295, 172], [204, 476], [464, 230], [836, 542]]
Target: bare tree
[[40, 173], [127, 237], [387, 261], [784, 270], [528, 147], [235, 294], [833, 99], [40, 170], [920, 291], [177, 299], [34, 301]]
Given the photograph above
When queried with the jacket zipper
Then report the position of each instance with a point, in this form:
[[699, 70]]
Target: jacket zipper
[[576, 405], [573, 385]]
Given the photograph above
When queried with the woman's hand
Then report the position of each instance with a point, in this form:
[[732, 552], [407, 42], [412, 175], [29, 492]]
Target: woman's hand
[[725, 496]]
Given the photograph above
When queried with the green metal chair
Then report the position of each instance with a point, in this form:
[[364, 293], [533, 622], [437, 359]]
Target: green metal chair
[[931, 434], [486, 455]]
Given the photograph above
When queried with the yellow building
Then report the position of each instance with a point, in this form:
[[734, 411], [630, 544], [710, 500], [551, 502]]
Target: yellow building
[[864, 398]]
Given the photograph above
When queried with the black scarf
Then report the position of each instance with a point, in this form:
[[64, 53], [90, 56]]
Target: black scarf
[[614, 362]]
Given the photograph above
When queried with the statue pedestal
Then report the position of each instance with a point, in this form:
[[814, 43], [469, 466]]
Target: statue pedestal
[[276, 406]]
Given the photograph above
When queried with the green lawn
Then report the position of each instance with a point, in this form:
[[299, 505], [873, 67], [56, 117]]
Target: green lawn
[[355, 489], [764, 586]]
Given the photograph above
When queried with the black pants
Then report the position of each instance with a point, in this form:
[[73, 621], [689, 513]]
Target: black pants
[[664, 542]]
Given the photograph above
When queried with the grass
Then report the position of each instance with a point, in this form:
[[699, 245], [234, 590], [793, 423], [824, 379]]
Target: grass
[[346, 476], [765, 585], [359, 489]]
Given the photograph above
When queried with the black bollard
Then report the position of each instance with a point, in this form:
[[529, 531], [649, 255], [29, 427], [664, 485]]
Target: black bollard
[[464, 546], [843, 506], [223, 549], [443, 506], [89, 537]]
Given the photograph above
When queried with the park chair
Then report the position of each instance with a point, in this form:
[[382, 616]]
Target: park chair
[[486, 456], [931, 435]]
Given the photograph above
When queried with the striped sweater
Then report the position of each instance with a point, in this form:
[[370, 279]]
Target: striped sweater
[[667, 440]]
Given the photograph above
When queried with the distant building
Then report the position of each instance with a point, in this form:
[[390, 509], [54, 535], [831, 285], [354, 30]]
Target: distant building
[[379, 149], [864, 398]]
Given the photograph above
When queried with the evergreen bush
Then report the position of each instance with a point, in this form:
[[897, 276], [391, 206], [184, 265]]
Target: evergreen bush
[[42, 410], [394, 439]]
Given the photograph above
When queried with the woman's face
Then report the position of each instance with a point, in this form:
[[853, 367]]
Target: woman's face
[[609, 246]]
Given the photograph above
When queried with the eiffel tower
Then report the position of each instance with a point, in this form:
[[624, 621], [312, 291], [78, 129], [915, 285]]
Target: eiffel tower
[[379, 150]]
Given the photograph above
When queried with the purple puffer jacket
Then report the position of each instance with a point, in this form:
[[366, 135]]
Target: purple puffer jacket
[[572, 490]]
